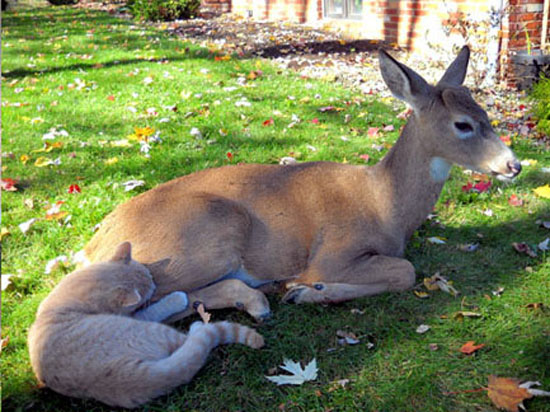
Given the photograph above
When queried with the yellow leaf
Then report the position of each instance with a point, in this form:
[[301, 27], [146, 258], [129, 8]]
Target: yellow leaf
[[430, 283], [24, 159], [111, 161], [543, 191], [42, 161], [420, 294], [3, 233]]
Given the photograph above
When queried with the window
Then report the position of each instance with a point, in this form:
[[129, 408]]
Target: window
[[343, 9]]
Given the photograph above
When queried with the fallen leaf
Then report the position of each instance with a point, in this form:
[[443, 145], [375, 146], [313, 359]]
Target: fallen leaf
[[4, 341], [74, 189], [205, 316], [535, 306], [439, 282], [55, 263], [544, 245], [25, 226], [315, 120], [543, 191], [132, 184], [287, 160], [268, 122], [523, 247], [433, 346], [373, 131], [8, 184], [365, 157], [298, 375], [506, 393], [470, 347], [421, 295], [57, 215], [460, 315], [422, 329], [347, 338], [6, 280], [469, 247], [3, 233], [515, 201], [437, 240]]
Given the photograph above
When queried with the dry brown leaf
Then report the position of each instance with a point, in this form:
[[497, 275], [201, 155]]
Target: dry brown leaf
[[470, 347], [205, 316], [506, 393]]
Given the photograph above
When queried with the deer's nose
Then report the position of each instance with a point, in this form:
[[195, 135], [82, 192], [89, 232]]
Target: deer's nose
[[514, 166]]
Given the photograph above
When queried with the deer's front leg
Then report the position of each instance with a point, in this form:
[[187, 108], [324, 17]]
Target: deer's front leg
[[372, 276]]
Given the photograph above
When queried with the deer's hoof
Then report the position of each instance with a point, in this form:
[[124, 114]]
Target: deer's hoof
[[294, 294]]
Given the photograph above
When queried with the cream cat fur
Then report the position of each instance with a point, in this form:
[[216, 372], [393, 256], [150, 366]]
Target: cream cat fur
[[88, 341]]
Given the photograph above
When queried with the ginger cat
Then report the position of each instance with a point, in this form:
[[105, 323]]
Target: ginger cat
[[88, 340]]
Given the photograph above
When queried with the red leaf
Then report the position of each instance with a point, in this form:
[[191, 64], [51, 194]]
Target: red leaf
[[74, 189], [467, 187], [111, 98], [469, 347], [315, 121], [229, 156], [515, 201], [8, 184], [269, 122], [373, 131], [365, 157], [482, 186]]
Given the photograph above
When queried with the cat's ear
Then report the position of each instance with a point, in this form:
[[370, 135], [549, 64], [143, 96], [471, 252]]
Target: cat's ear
[[123, 253], [126, 298]]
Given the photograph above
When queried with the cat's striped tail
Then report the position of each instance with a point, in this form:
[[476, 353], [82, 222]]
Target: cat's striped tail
[[219, 333]]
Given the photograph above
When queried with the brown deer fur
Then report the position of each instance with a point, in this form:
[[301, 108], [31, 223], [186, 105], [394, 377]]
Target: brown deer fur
[[328, 232]]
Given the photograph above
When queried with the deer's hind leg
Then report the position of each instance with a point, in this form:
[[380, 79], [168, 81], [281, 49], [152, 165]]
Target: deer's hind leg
[[229, 293], [372, 276]]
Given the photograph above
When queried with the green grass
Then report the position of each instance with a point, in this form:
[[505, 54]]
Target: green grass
[[44, 51]]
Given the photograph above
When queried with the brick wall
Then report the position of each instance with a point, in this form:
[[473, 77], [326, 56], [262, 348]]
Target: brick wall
[[421, 25], [209, 7]]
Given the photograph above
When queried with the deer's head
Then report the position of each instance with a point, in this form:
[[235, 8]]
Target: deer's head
[[451, 126]]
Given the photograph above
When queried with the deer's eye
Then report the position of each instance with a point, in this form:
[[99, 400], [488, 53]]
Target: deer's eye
[[464, 127]]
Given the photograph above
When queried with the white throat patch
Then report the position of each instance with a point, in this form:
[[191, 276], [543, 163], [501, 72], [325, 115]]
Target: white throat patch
[[439, 169]]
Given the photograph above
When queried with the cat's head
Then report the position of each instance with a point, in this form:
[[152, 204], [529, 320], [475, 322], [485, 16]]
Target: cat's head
[[119, 285]]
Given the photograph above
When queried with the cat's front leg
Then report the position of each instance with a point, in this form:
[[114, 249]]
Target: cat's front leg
[[166, 307]]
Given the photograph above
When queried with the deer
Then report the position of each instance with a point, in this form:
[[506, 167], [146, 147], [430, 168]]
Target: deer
[[321, 232]]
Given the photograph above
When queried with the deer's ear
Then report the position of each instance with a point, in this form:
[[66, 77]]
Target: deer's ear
[[456, 72], [123, 253], [404, 83]]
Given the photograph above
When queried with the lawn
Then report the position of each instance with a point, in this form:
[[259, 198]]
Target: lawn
[[82, 91]]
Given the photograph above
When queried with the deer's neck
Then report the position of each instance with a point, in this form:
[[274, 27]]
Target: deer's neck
[[413, 178]]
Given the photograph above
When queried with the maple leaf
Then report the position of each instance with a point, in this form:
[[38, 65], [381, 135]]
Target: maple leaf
[[470, 347], [506, 393], [315, 120], [482, 186], [373, 131], [299, 375], [269, 122]]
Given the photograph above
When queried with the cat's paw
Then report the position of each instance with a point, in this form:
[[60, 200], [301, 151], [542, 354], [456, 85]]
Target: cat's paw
[[178, 301]]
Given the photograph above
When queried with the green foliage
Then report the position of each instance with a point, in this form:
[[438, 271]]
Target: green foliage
[[541, 93], [156, 10]]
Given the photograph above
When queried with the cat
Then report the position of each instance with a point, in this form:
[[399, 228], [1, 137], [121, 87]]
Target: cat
[[89, 339]]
